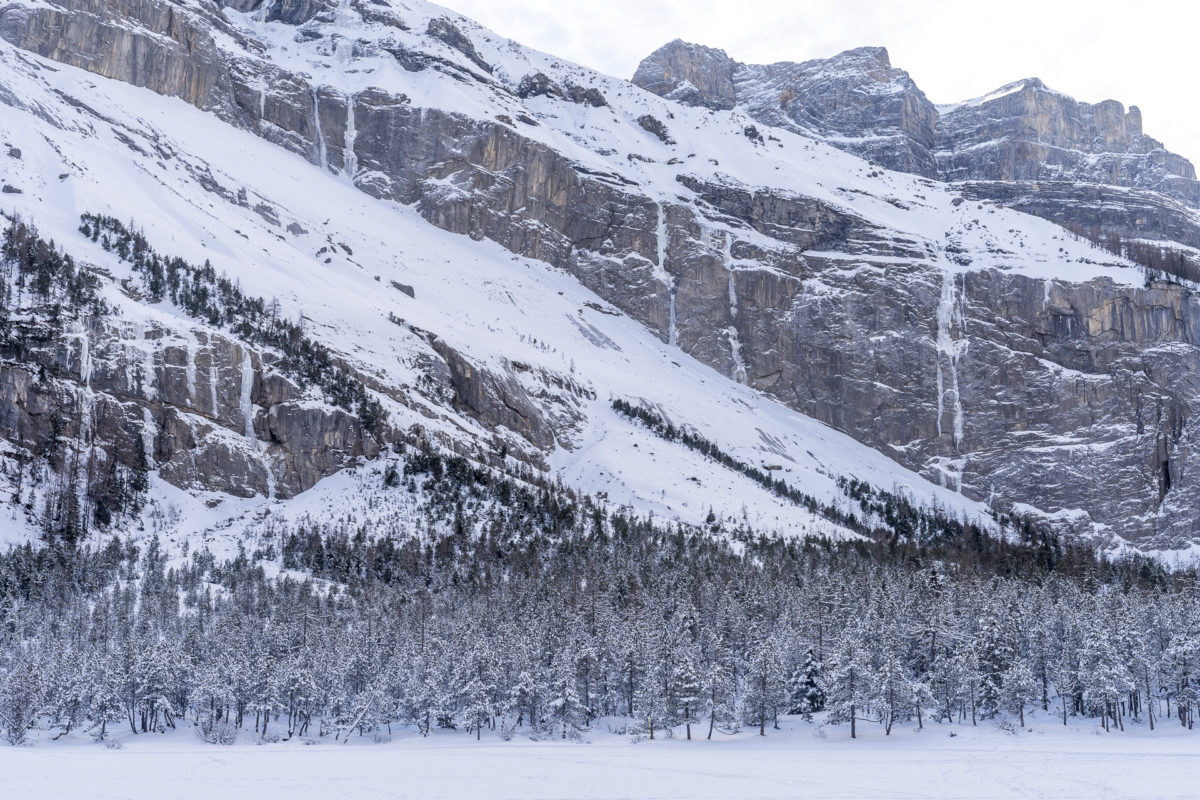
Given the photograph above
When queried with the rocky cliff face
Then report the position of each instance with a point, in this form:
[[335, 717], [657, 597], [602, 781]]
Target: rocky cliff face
[[1066, 397], [1029, 132], [858, 98], [690, 73], [203, 409]]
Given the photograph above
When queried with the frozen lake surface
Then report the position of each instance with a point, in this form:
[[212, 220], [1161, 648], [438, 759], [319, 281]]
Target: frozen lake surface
[[1045, 760]]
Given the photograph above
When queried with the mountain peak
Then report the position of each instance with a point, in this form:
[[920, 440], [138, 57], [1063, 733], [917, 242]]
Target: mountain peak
[[689, 73], [873, 55]]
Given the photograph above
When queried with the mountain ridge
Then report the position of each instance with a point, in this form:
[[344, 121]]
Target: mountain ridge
[[974, 346]]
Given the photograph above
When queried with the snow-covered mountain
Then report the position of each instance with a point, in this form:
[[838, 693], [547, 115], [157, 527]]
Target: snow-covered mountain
[[490, 246]]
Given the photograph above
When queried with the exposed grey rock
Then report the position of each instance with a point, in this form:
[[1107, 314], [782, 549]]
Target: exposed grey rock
[[691, 74], [1127, 213], [657, 127], [1024, 132], [1029, 132], [873, 109], [538, 84], [293, 12], [379, 13], [494, 399], [586, 95], [180, 59], [188, 403], [446, 31]]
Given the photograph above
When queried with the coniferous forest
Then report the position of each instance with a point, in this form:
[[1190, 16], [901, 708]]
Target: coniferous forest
[[528, 611]]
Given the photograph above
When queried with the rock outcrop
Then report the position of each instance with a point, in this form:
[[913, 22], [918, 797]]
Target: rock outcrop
[[201, 408], [691, 74], [856, 98], [1029, 132]]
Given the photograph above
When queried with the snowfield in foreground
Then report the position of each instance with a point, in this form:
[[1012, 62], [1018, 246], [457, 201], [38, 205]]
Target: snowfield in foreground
[[1044, 760]]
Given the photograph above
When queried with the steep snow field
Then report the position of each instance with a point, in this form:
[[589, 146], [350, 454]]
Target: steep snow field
[[94, 145], [1046, 760], [492, 306]]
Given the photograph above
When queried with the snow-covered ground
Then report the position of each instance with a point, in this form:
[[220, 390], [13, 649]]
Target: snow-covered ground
[[1044, 760]]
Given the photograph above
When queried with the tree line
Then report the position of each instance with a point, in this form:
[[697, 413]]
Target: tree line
[[1160, 261], [216, 299], [875, 512]]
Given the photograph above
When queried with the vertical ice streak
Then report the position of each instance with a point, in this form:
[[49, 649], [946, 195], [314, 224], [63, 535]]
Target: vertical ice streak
[[87, 406], [247, 406], [672, 330], [212, 382], [85, 357], [190, 375], [349, 158], [247, 388], [735, 343], [322, 154], [664, 276], [950, 313]]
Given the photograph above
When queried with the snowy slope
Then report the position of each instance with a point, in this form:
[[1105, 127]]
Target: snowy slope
[[493, 306], [708, 145], [81, 136]]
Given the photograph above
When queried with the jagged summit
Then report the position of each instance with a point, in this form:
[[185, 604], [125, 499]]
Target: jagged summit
[[1007, 89], [815, 96], [856, 98], [1023, 133], [871, 55]]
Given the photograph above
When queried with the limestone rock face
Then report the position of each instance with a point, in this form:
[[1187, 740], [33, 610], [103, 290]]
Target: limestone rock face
[[1029, 132], [496, 399], [1018, 383], [180, 59], [690, 73], [196, 407], [857, 97], [871, 108], [445, 31]]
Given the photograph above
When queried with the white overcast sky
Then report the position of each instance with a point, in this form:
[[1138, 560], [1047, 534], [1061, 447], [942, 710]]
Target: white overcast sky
[[1142, 53]]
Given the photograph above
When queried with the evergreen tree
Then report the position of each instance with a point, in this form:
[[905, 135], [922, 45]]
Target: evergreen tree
[[804, 686]]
